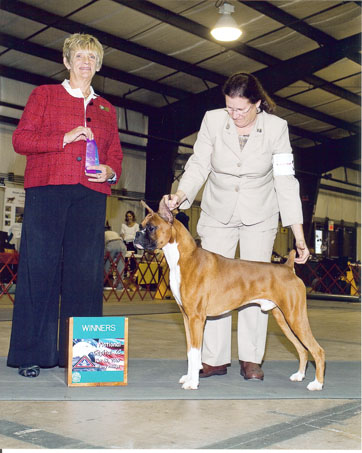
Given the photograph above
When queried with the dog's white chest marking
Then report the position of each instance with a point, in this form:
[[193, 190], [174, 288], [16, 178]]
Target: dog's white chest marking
[[172, 257]]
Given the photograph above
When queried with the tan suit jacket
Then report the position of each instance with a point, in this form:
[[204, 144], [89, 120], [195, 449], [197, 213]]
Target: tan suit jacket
[[238, 179]]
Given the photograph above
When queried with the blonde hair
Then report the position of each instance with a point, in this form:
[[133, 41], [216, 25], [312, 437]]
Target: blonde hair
[[83, 41]]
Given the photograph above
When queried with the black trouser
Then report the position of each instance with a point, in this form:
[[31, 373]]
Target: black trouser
[[60, 270]]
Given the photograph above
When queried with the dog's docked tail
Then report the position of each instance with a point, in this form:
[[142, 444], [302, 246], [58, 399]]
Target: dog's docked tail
[[290, 261]]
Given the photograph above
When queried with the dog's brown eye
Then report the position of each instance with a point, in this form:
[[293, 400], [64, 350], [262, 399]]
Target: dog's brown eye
[[151, 228]]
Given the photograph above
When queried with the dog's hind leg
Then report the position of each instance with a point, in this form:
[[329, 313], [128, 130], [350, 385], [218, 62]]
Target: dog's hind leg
[[302, 352], [305, 335], [297, 318]]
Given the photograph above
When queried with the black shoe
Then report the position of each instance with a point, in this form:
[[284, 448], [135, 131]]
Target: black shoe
[[29, 371]]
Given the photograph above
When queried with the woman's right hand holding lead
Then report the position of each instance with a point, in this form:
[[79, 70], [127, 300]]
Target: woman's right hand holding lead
[[174, 200]]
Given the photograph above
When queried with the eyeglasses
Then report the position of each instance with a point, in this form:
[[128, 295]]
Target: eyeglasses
[[239, 112]]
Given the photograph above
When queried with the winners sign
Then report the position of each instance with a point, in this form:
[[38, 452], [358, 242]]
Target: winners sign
[[97, 351]]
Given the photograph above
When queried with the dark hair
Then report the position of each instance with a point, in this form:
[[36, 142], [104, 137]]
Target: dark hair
[[248, 86], [132, 214]]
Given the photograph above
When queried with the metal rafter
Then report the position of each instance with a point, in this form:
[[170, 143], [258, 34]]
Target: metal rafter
[[298, 25], [164, 15], [53, 55], [297, 68], [190, 26], [50, 19], [326, 157], [36, 79], [313, 113], [37, 50], [65, 24], [44, 17], [273, 79]]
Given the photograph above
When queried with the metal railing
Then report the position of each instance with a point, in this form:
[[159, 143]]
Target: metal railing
[[147, 275], [333, 277]]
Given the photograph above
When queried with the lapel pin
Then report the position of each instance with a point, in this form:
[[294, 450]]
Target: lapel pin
[[102, 107], [258, 130]]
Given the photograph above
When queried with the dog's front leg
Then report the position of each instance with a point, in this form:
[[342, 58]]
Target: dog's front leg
[[191, 356], [192, 378], [194, 330], [185, 377]]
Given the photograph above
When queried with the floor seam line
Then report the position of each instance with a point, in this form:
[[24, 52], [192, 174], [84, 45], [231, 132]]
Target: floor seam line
[[260, 437]]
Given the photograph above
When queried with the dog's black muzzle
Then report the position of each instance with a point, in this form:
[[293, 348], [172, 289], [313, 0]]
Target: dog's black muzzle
[[143, 240]]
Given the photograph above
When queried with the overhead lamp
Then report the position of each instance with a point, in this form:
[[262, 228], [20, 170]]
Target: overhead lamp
[[226, 29]]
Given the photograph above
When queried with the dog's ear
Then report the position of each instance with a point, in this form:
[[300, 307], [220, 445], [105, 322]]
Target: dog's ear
[[164, 211], [146, 207]]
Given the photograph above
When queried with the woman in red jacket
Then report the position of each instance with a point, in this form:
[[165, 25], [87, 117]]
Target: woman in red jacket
[[62, 244]]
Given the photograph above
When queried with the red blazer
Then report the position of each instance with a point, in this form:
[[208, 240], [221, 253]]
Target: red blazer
[[51, 112]]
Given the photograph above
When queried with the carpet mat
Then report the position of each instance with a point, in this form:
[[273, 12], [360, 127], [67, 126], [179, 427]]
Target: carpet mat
[[121, 309], [155, 379]]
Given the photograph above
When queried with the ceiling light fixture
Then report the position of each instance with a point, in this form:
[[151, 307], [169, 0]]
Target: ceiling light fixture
[[226, 29]]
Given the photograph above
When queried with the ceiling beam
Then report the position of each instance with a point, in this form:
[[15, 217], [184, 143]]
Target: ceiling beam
[[314, 136], [37, 50], [354, 166], [27, 47], [316, 114], [273, 79], [190, 26], [47, 19], [353, 193], [36, 79], [296, 68], [326, 157], [298, 25], [67, 25], [165, 15], [53, 20]]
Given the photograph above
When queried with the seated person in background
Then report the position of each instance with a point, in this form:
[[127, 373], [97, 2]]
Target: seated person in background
[[115, 245], [14, 235], [129, 230]]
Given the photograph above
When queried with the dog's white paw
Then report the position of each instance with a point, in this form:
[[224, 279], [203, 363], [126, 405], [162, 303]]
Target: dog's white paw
[[190, 385], [183, 379], [315, 385], [297, 377]]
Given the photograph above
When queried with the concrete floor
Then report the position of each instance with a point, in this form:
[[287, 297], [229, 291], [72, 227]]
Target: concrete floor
[[301, 424]]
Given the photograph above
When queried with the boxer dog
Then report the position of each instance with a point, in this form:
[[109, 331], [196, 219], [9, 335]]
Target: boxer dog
[[207, 284]]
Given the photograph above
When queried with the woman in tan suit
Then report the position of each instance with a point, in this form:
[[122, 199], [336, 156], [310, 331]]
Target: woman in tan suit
[[243, 154]]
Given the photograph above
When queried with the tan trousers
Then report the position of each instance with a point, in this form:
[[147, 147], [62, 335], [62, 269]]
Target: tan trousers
[[256, 244]]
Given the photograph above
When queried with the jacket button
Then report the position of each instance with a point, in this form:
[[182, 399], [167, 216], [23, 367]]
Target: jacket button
[[89, 120], [236, 189], [239, 164], [79, 158]]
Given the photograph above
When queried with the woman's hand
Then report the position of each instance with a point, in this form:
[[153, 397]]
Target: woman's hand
[[105, 173], [303, 252], [302, 249], [174, 200], [77, 134]]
